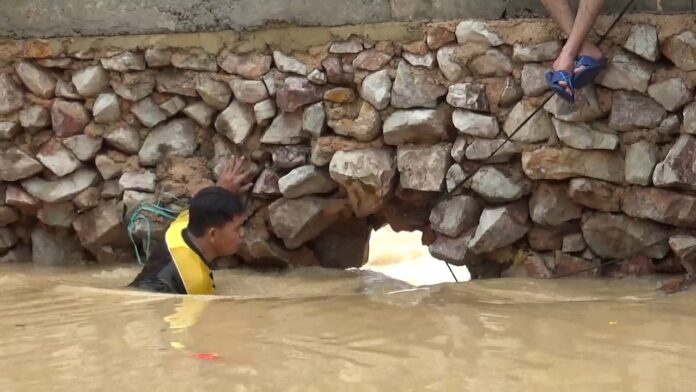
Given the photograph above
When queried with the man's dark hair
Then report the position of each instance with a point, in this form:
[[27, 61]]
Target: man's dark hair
[[212, 207]]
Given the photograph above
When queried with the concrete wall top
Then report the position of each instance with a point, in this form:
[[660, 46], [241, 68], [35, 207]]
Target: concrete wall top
[[62, 18]]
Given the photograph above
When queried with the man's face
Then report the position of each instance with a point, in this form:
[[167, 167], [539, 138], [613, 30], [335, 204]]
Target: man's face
[[227, 239]]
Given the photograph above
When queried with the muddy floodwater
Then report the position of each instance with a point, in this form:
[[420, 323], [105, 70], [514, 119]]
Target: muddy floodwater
[[321, 330]]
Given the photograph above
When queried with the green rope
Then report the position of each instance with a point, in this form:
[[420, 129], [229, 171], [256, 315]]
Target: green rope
[[139, 215]]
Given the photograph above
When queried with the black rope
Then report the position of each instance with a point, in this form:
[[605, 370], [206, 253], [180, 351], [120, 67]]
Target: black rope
[[523, 123]]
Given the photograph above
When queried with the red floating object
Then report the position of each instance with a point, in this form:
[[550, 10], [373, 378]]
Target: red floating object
[[206, 356]]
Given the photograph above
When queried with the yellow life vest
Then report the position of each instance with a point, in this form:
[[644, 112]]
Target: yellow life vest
[[194, 272]]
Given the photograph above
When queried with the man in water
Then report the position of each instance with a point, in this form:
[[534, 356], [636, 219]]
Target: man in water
[[580, 61], [210, 228]]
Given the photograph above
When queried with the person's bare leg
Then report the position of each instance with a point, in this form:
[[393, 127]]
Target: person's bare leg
[[577, 42]]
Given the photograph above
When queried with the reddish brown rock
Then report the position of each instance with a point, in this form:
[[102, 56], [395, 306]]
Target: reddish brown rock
[[297, 92], [552, 163], [371, 60], [69, 118], [250, 66], [598, 195], [660, 205]]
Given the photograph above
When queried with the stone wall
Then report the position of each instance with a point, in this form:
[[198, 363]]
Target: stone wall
[[63, 18], [357, 133]]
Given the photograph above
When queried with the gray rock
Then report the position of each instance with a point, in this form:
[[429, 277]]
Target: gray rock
[[266, 186], [672, 94], [107, 167], [536, 53], [215, 93], [618, 236], [297, 92], [265, 111], [470, 31], [423, 168], [427, 60], [143, 181], [368, 175], [538, 129], [174, 81], [689, 125], [57, 62], [630, 111], [415, 126], [90, 81], [285, 129], [670, 125], [87, 199], [177, 137], [306, 180], [684, 247], [201, 113], [459, 149], [124, 138], [132, 199], [62, 189], [111, 190], [249, 91], [249, 66], [550, 205], [158, 57], [470, 123], [68, 118], [54, 248], [500, 227], [680, 49], [366, 127], [677, 170], [106, 109], [534, 79], [124, 62], [11, 95], [550, 163], [574, 243], [314, 120], [173, 106], [289, 64], [101, 226], [269, 81], [586, 107], [469, 96], [194, 59], [642, 41], [37, 80], [453, 216], [8, 239], [661, 206], [290, 157], [455, 177], [500, 186], [598, 195], [371, 60], [16, 165], [236, 122], [297, 221], [349, 46], [148, 113], [84, 147], [493, 63], [453, 250], [416, 87], [482, 149], [582, 137], [449, 64], [34, 117], [57, 158], [376, 89], [626, 72], [641, 159], [9, 129], [343, 245], [317, 77], [58, 214], [133, 86]]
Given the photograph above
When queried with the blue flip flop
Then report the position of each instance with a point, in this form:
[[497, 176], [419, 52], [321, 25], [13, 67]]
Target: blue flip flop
[[554, 78], [588, 75]]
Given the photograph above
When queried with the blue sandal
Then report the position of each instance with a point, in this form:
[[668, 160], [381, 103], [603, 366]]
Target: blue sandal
[[592, 69], [553, 79]]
